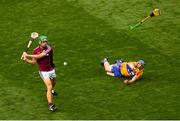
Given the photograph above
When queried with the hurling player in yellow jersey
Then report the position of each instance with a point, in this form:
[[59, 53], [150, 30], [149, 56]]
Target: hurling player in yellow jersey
[[124, 69]]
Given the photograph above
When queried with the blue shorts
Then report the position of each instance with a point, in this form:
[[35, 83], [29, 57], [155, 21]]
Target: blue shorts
[[116, 70]]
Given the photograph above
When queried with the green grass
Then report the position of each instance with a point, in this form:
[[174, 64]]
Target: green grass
[[82, 32]]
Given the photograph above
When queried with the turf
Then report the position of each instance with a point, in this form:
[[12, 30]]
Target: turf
[[83, 32]]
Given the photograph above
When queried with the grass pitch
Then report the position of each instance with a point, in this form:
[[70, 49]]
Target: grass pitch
[[83, 32]]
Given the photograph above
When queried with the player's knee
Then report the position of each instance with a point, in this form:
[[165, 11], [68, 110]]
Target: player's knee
[[48, 85]]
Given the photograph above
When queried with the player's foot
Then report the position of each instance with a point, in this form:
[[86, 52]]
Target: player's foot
[[52, 107], [54, 93], [103, 61]]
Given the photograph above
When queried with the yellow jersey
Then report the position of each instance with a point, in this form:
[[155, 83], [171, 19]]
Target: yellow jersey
[[128, 69]]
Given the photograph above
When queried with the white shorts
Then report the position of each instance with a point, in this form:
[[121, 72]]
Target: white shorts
[[47, 74]]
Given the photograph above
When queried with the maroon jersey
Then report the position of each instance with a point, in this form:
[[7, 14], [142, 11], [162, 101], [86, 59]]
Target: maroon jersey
[[45, 63]]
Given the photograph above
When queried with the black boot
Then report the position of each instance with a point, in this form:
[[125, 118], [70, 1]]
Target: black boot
[[52, 107], [103, 61]]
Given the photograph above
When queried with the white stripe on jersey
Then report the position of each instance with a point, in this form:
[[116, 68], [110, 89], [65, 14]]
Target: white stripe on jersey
[[48, 49]]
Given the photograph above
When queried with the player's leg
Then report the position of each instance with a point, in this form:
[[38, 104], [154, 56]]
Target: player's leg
[[112, 70], [53, 81], [47, 81], [52, 76], [48, 84], [106, 65], [110, 74], [49, 87]]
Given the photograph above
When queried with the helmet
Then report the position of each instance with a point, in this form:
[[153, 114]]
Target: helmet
[[43, 38], [141, 62]]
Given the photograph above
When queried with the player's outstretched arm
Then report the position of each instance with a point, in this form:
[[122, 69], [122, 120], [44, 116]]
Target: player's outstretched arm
[[135, 77], [127, 82], [30, 61]]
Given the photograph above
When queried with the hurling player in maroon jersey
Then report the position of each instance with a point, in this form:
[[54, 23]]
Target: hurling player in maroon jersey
[[43, 57]]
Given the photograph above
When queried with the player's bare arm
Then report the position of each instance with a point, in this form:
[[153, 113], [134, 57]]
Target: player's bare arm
[[131, 81], [30, 61], [134, 78], [43, 54]]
